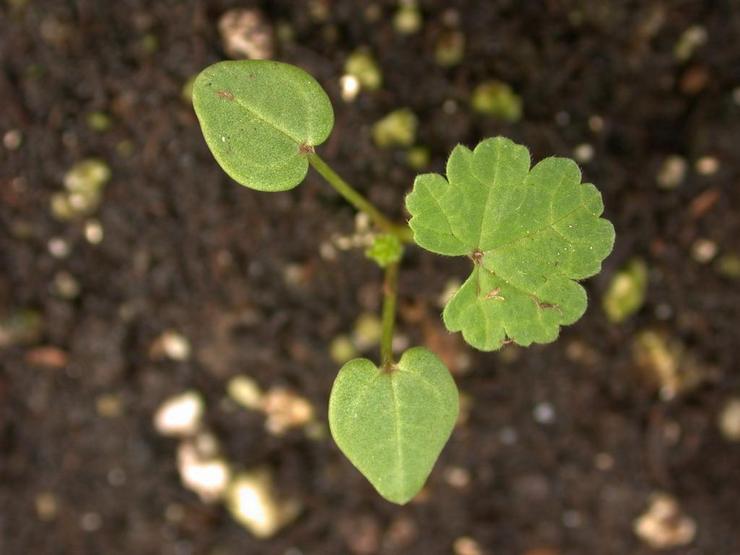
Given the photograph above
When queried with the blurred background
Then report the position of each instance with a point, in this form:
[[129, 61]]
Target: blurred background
[[168, 339]]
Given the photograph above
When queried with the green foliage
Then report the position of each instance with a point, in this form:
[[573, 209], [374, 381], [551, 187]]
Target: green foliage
[[530, 235], [261, 119], [393, 424], [386, 249]]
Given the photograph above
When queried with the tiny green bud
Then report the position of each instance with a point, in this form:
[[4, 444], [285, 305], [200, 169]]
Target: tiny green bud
[[386, 249]]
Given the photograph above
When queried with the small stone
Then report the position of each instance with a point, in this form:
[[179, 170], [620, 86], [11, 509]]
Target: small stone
[[664, 525], [457, 476], [245, 392], [58, 247], [285, 410], [295, 275], [604, 461], [13, 139], [65, 285], [93, 232], [91, 522], [407, 20], [246, 33], [689, 41], [596, 123], [180, 415], [544, 413], [84, 184], [466, 545], [703, 250], [396, 129], [666, 364], [109, 405], [450, 107], [208, 477], [583, 153], [252, 502], [672, 172], [729, 420], [349, 87], [47, 357], [47, 506], [626, 292], [707, 165], [87, 176], [172, 345]]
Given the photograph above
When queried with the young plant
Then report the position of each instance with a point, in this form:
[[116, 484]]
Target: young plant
[[530, 233]]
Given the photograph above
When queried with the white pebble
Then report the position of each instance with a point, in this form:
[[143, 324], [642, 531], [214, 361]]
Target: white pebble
[[58, 247], [252, 502], [175, 346], [180, 415], [208, 477], [729, 420], [663, 525], [544, 413]]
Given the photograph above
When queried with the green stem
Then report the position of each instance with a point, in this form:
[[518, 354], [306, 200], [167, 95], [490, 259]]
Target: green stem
[[352, 196], [390, 292]]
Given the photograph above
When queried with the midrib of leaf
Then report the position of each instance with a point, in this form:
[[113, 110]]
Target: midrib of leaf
[[547, 227], [488, 195], [254, 113], [397, 428], [444, 213]]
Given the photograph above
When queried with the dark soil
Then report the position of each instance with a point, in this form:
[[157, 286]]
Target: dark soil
[[187, 249]]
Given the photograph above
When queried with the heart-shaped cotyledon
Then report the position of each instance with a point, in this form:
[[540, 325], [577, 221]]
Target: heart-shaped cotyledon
[[393, 423]]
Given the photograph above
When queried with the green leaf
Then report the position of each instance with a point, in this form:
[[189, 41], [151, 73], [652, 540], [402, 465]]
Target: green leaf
[[531, 234], [260, 119], [392, 425]]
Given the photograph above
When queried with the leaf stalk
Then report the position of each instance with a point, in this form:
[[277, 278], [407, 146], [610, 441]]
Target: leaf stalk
[[351, 195]]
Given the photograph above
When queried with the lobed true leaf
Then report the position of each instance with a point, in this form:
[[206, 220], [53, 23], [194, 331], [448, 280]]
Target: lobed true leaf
[[531, 234]]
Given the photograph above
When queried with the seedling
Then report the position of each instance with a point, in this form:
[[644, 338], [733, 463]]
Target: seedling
[[530, 234]]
